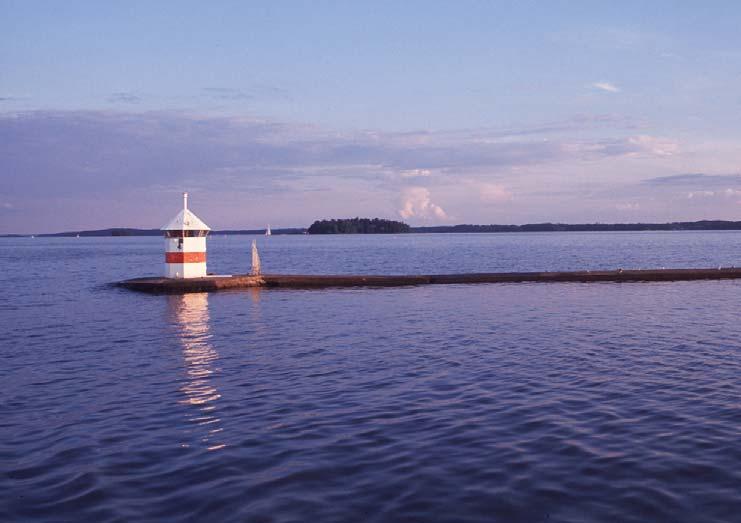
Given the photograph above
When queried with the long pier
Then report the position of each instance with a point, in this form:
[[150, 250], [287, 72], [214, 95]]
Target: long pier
[[299, 281]]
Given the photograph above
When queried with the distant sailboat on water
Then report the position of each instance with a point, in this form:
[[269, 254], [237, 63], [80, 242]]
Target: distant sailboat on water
[[268, 232]]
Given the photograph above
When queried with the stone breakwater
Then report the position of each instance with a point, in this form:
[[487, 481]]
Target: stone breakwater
[[299, 281]]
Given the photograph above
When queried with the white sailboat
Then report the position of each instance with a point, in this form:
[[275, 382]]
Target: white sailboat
[[268, 232]]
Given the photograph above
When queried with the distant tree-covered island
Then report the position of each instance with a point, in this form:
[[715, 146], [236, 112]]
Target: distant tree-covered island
[[358, 226]]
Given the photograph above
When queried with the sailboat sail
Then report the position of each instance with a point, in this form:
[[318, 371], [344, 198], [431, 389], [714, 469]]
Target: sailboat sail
[[268, 232], [255, 260]]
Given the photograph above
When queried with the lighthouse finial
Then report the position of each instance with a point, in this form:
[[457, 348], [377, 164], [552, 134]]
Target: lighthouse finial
[[185, 200]]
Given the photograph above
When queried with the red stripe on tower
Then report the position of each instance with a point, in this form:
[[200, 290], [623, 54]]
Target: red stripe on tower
[[185, 257]]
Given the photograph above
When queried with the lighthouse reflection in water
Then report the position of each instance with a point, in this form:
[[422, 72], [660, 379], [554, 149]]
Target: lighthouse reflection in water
[[190, 317]]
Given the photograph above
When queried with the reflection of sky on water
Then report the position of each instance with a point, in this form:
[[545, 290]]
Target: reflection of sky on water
[[190, 315]]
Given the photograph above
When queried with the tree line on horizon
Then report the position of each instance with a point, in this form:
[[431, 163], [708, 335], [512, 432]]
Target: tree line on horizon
[[382, 226], [703, 225]]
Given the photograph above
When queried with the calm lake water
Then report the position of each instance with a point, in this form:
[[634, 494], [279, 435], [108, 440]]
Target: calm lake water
[[503, 402]]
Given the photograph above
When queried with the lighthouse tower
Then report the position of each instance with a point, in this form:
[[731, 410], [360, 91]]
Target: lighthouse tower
[[185, 245]]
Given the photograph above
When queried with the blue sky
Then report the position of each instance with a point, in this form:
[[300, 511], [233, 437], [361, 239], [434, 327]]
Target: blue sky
[[434, 112]]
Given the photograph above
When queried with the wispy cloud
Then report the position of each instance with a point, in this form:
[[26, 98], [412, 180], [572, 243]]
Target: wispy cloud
[[124, 98], [695, 179], [269, 91], [252, 92], [227, 93], [415, 173], [655, 145], [605, 86], [631, 146], [78, 152], [725, 193]]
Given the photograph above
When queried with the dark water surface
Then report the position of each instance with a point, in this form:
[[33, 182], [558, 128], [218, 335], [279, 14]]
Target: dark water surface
[[505, 402]]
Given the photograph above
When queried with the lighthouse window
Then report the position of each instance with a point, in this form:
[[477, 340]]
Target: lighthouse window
[[185, 234]]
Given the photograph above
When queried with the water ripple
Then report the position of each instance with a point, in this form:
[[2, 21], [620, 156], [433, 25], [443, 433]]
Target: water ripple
[[564, 402]]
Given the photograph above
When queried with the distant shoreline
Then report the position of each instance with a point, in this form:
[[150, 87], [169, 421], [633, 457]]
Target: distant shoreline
[[703, 225]]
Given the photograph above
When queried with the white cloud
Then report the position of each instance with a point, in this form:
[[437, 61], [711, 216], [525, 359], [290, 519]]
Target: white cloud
[[627, 206], [416, 203], [605, 86]]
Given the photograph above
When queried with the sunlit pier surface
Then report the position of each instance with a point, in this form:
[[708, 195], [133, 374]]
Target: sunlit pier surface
[[301, 281]]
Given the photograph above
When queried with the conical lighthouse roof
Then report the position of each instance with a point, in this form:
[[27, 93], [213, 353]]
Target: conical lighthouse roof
[[186, 220]]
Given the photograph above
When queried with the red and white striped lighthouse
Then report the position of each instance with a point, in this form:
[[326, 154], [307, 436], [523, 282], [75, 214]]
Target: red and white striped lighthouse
[[185, 245]]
